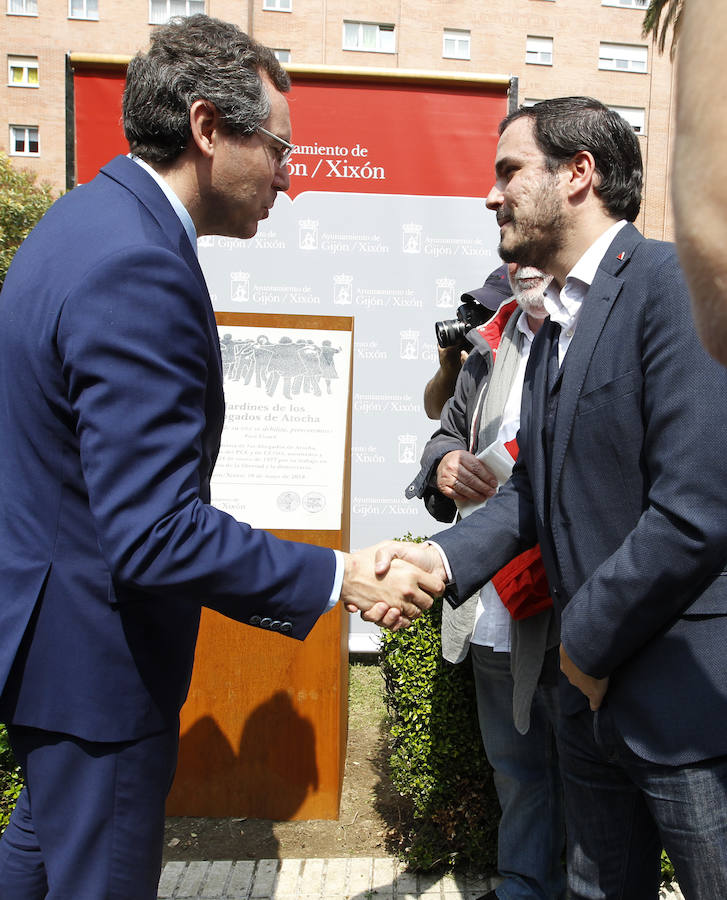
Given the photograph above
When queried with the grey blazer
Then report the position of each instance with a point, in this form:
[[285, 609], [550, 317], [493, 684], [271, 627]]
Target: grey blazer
[[478, 379]]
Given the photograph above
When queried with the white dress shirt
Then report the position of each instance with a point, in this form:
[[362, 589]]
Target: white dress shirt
[[179, 208], [564, 307]]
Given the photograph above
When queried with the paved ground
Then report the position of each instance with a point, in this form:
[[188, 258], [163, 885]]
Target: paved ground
[[311, 879], [320, 879]]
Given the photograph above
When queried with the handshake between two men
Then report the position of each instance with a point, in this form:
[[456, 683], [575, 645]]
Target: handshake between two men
[[391, 583], [407, 576]]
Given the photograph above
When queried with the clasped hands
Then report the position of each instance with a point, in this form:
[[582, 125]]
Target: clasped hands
[[391, 583]]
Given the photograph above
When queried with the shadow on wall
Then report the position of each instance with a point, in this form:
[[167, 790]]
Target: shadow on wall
[[214, 780]]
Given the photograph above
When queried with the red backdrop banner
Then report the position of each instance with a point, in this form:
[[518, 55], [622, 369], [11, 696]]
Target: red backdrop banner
[[388, 136], [394, 138]]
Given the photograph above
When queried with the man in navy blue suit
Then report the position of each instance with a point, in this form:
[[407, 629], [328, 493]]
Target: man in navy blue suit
[[622, 480], [111, 410]]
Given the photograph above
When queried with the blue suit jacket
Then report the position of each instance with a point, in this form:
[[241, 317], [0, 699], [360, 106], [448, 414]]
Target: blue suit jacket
[[111, 409], [634, 530]]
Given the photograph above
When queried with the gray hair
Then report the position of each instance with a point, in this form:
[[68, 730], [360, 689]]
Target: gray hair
[[195, 58]]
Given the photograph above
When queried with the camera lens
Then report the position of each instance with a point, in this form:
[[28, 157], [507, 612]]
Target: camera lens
[[449, 332]]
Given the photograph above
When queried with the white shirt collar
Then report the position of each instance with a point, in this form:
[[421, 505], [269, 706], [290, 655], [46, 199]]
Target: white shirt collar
[[523, 326], [177, 205], [564, 306]]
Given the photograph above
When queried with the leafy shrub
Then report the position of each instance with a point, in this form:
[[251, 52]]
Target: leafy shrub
[[436, 758], [22, 203], [11, 781], [667, 869]]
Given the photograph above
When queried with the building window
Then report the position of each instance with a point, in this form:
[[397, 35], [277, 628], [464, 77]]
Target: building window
[[24, 140], [368, 36], [539, 50], [622, 57], [635, 116], [83, 9], [23, 7], [161, 11], [633, 4], [23, 71], [456, 44], [279, 5], [282, 56]]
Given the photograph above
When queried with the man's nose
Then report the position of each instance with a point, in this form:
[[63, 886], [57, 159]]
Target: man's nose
[[494, 199], [281, 181]]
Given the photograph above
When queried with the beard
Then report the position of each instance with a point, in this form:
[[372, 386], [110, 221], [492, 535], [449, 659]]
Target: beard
[[532, 303], [530, 298], [534, 235]]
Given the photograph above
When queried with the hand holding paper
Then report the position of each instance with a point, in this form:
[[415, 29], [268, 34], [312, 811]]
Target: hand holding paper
[[463, 477], [495, 459]]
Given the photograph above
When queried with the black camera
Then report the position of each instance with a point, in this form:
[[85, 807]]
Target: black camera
[[451, 332]]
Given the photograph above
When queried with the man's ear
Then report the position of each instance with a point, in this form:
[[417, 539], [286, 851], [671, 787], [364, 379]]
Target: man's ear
[[204, 120], [582, 174]]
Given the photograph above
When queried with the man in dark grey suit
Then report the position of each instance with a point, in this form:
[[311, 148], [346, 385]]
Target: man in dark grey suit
[[622, 479]]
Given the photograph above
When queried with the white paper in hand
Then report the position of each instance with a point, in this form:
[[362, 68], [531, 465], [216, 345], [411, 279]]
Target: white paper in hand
[[498, 460]]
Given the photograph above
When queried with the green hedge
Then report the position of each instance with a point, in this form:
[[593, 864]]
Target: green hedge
[[11, 782], [436, 758], [22, 203]]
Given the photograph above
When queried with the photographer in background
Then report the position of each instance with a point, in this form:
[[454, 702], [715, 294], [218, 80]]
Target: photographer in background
[[507, 628], [453, 345]]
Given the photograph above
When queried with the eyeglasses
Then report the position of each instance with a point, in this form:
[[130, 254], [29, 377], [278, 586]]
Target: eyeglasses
[[282, 155]]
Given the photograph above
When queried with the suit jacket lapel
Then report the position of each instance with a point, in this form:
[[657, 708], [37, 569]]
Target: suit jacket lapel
[[596, 308], [131, 176]]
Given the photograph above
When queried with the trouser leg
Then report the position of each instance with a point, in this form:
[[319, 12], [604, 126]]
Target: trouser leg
[[22, 872], [613, 841], [96, 811], [530, 835], [688, 803]]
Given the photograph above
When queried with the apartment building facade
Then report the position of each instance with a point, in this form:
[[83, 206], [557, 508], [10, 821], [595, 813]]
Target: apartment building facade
[[552, 48]]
